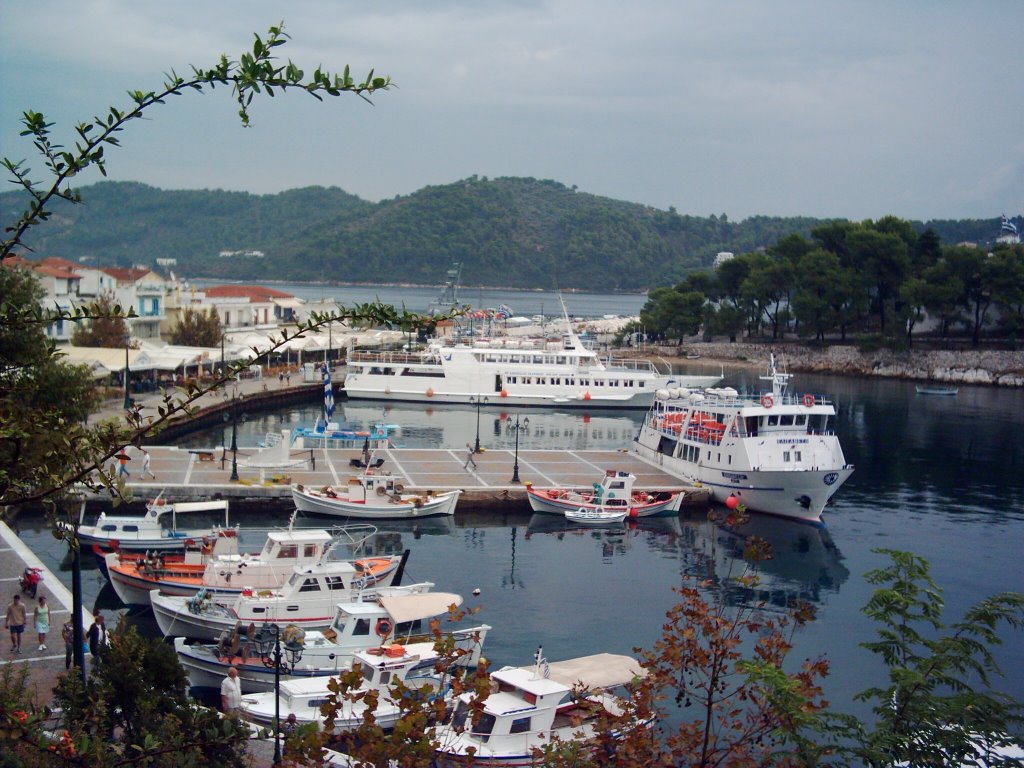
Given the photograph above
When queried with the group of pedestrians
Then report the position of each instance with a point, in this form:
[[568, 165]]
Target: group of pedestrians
[[147, 461], [17, 617]]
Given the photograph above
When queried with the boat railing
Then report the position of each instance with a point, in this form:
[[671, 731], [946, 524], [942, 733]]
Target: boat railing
[[629, 363], [390, 358]]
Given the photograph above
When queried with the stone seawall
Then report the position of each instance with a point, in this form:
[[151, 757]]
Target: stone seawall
[[995, 367]]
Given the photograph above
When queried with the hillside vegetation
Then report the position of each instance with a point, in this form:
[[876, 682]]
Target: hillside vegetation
[[519, 232]]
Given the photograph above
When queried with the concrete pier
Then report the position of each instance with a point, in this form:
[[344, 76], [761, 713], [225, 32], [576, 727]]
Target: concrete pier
[[191, 474]]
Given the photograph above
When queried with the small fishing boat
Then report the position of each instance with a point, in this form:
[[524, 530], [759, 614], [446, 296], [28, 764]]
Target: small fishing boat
[[924, 389], [373, 495], [614, 493], [356, 625], [533, 707], [229, 574], [149, 531], [588, 516], [381, 667], [331, 434]]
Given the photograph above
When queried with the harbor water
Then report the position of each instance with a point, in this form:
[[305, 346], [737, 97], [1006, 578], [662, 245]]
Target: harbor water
[[939, 476]]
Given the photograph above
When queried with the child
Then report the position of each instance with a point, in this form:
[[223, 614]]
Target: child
[[42, 616]]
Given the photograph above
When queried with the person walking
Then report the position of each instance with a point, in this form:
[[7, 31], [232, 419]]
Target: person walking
[[67, 634], [231, 692], [470, 459], [146, 462], [14, 620], [123, 458], [97, 636], [42, 617]]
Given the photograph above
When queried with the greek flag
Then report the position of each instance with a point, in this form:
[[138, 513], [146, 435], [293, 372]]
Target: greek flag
[[504, 311], [328, 394], [1009, 226]]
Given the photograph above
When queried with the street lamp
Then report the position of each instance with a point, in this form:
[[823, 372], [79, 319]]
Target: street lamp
[[517, 427], [127, 400], [234, 436], [268, 645], [477, 400]]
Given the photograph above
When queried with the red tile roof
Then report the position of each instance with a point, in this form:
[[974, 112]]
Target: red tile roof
[[251, 292], [44, 268], [125, 274]]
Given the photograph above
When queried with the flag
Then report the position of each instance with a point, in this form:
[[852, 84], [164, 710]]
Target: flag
[[1008, 226], [328, 394], [504, 311]]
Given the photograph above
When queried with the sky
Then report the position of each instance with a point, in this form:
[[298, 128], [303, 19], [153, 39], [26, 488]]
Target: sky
[[912, 108]]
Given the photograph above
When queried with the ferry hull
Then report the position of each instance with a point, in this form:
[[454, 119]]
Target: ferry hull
[[799, 495]]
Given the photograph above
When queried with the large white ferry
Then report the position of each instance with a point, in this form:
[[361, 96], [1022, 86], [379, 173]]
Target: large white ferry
[[507, 371], [772, 452]]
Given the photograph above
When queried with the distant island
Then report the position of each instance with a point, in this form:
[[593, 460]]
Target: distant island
[[505, 232]]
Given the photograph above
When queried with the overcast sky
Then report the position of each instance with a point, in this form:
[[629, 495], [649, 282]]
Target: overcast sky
[[847, 109]]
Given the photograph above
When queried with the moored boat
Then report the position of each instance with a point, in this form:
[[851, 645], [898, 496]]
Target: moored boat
[[381, 668], [150, 531], [373, 495], [772, 452], [134, 578], [533, 707], [937, 390], [614, 493], [512, 372], [358, 624], [307, 599]]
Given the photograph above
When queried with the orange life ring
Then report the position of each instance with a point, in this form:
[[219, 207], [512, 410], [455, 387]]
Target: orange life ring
[[809, 401], [384, 627], [767, 401]]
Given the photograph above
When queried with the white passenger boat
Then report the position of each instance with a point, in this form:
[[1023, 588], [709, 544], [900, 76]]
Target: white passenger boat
[[373, 495], [133, 578], [157, 529], [613, 494], [357, 625], [513, 372], [772, 452], [307, 600], [381, 669], [532, 708]]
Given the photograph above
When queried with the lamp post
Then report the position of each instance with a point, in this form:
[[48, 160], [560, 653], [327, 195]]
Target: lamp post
[[477, 400], [517, 427], [234, 436], [268, 645], [127, 400]]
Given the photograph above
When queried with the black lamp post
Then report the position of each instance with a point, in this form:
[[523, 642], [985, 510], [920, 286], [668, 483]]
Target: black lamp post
[[268, 645], [234, 437], [517, 427], [127, 400], [478, 401]]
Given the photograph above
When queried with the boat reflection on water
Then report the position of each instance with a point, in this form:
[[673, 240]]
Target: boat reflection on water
[[802, 563]]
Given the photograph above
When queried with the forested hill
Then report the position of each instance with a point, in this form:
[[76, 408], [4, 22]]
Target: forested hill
[[519, 232]]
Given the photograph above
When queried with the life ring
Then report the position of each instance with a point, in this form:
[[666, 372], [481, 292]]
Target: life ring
[[809, 401], [430, 391], [767, 401], [384, 627]]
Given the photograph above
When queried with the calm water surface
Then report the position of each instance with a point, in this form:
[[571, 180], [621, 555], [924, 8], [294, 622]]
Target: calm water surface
[[943, 477]]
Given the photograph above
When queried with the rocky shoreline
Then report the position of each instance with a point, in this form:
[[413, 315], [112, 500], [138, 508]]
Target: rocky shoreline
[[1000, 368]]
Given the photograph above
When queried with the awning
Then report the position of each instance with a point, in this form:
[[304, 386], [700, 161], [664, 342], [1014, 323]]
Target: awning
[[602, 670], [405, 608]]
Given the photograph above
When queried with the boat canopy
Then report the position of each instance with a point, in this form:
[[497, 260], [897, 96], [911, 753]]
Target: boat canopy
[[403, 608], [601, 670]]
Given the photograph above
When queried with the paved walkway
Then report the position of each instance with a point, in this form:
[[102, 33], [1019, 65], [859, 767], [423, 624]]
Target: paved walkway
[[114, 408]]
